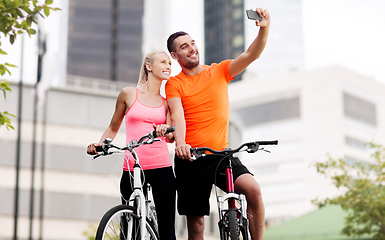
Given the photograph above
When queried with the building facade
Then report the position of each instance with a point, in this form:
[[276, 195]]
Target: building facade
[[105, 39]]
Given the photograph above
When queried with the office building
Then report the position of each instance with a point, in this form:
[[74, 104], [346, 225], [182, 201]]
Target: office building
[[223, 30], [105, 39]]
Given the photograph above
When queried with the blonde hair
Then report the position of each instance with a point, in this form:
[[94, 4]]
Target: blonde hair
[[143, 74]]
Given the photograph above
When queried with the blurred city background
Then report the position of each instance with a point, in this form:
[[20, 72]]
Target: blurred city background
[[318, 88]]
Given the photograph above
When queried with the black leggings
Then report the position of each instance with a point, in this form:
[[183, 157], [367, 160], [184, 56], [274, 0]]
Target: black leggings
[[163, 185]]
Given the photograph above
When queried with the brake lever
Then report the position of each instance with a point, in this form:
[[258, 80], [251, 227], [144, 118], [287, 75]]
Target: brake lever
[[96, 156], [265, 150], [195, 154], [102, 154], [151, 141]]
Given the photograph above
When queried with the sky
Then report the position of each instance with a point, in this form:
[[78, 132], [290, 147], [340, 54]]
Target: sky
[[349, 33]]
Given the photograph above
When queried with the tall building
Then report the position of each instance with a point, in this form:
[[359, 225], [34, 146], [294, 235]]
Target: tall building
[[105, 39], [223, 30]]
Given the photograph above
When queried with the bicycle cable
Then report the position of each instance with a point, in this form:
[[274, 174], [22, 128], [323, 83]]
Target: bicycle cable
[[215, 175], [216, 171]]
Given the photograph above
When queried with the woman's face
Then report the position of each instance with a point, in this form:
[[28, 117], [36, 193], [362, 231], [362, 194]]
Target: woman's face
[[161, 66]]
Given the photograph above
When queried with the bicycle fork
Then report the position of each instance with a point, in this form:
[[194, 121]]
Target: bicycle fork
[[138, 196], [231, 198]]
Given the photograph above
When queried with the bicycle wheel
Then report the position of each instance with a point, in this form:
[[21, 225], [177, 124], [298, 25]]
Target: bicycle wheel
[[122, 223], [230, 228], [233, 225]]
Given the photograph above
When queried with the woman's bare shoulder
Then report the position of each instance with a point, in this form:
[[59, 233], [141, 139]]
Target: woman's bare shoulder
[[128, 90]]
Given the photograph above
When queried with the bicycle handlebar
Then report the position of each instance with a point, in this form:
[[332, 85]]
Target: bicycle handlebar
[[252, 147], [107, 143]]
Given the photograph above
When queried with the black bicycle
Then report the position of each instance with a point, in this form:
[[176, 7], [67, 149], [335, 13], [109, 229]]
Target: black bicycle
[[233, 221]]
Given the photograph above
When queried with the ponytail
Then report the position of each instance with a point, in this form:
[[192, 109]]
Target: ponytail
[[143, 74]]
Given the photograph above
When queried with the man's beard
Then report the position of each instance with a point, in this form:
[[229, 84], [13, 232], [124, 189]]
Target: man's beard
[[190, 64]]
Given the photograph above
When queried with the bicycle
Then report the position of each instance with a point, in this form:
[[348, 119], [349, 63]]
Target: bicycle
[[137, 220], [233, 221]]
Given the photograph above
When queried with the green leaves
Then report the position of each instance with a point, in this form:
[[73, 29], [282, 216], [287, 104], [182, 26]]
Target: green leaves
[[4, 86], [4, 69], [18, 17], [363, 192], [46, 10], [4, 120]]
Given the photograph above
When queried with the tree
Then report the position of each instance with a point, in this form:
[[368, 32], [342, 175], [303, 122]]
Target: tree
[[4, 119], [362, 193], [17, 17]]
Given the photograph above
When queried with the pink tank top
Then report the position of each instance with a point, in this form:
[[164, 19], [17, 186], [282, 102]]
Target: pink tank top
[[139, 119]]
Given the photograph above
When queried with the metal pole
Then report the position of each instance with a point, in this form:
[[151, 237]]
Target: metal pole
[[41, 51], [114, 40], [42, 170], [32, 191], [16, 206]]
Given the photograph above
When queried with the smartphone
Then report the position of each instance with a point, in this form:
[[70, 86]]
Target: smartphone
[[253, 15]]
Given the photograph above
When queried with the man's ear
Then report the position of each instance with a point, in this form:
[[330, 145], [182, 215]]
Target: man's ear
[[173, 55]]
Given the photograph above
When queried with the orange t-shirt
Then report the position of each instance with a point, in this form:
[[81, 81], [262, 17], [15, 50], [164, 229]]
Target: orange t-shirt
[[206, 104]]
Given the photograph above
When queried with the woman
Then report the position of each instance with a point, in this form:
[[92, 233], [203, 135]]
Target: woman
[[144, 110]]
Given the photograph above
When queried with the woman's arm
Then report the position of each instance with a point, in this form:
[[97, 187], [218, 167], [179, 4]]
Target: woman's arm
[[116, 121]]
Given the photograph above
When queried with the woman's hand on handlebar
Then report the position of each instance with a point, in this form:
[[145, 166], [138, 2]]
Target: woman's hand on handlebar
[[160, 129], [91, 149]]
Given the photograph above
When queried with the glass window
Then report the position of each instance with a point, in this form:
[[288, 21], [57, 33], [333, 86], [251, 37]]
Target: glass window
[[352, 142], [271, 111], [359, 109]]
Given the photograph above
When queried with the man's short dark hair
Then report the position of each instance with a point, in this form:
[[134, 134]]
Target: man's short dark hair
[[170, 40]]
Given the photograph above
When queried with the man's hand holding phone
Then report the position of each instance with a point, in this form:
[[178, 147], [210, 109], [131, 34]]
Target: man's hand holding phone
[[260, 15]]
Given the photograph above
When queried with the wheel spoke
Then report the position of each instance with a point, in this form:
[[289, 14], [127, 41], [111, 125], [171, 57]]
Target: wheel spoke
[[121, 223]]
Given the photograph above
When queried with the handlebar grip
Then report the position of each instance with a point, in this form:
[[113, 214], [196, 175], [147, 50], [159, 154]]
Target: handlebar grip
[[168, 130], [99, 148], [274, 142]]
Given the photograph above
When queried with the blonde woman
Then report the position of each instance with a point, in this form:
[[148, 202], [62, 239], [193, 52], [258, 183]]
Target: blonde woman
[[144, 110]]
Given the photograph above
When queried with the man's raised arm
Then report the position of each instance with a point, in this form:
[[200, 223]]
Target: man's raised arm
[[256, 48]]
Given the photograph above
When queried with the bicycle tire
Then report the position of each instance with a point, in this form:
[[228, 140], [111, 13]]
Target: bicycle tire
[[230, 227], [111, 225], [233, 225]]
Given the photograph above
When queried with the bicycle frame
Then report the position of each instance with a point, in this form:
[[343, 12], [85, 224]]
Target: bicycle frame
[[138, 196]]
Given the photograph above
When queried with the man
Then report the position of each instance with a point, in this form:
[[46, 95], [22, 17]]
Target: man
[[199, 105]]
